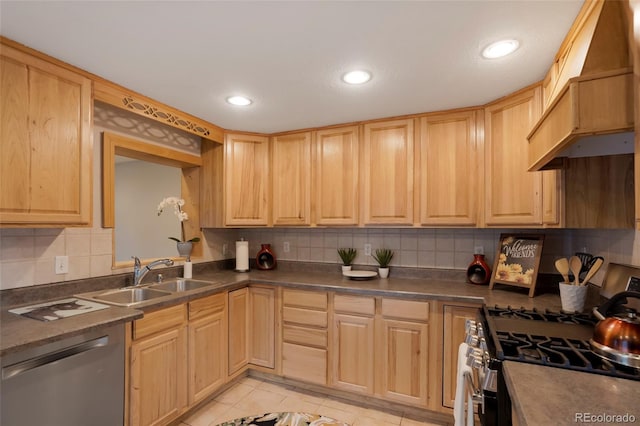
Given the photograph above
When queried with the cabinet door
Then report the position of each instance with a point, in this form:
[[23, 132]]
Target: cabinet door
[[304, 363], [207, 366], [353, 352], [513, 194], [404, 361], [158, 378], [45, 142], [454, 334], [387, 162], [552, 200], [238, 333], [262, 326], [291, 159], [336, 176], [246, 180], [448, 172]]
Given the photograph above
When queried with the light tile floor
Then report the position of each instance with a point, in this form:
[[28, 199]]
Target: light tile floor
[[252, 396]]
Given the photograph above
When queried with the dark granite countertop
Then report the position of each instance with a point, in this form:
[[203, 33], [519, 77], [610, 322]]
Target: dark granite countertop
[[18, 333], [543, 395]]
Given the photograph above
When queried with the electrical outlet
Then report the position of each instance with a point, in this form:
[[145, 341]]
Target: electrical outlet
[[224, 249], [367, 249], [286, 247], [478, 250], [62, 265]]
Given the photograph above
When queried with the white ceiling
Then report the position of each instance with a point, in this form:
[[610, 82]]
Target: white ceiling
[[289, 56]]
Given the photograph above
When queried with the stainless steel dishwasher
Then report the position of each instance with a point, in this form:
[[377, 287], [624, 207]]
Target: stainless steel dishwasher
[[77, 381]]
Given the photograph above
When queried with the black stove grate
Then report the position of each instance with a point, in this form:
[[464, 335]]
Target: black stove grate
[[558, 352], [541, 315]]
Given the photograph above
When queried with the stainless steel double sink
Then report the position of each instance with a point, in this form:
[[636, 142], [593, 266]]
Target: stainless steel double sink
[[135, 296]]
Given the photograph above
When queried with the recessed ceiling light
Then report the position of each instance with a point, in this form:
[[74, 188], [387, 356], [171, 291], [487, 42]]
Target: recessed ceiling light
[[500, 48], [356, 77], [239, 100]]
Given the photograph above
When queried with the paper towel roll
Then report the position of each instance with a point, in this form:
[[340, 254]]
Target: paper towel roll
[[242, 256], [187, 270]]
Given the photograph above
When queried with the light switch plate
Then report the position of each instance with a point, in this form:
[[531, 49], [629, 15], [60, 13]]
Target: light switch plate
[[367, 249], [62, 265]]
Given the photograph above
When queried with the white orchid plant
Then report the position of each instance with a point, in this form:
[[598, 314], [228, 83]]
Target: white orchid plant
[[177, 204]]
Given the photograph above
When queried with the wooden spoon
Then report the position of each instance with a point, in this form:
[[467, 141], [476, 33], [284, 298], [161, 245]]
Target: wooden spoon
[[575, 264], [562, 265], [592, 271]]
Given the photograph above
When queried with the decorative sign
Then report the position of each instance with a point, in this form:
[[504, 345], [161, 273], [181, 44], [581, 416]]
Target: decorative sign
[[517, 261], [633, 284]]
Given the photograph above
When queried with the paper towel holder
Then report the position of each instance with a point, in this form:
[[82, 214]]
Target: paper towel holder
[[242, 256]]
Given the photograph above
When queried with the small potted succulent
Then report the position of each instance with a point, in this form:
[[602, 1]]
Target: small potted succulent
[[347, 255], [383, 256]]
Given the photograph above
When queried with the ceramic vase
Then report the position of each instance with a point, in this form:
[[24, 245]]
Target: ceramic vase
[[383, 272], [265, 259], [346, 268], [185, 249], [478, 271]]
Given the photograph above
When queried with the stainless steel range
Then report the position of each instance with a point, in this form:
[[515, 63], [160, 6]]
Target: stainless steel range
[[542, 337]]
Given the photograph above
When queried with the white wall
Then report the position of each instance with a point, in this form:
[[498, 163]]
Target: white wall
[[139, 187]]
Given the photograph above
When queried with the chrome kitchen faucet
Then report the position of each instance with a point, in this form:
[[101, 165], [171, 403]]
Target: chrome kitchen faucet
[[139, 272]]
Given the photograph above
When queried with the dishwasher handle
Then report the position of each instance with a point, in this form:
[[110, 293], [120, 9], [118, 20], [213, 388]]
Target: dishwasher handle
[[30, 364]]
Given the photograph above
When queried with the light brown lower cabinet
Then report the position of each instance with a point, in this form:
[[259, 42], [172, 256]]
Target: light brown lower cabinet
[[402, 351], [158, 386], [207, 346], [392, 349], [305, 335], [238, 332], [353, 343], [454, 319], [178, 358], [262, 326]]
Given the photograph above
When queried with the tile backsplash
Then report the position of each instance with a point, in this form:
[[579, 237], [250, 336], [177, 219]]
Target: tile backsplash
[[27, 256]]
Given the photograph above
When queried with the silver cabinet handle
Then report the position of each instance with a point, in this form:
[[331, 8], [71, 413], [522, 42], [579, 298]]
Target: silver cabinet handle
[[30, 364]]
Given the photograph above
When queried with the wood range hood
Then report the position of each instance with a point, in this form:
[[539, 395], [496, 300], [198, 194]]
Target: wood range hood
[[588, 91]]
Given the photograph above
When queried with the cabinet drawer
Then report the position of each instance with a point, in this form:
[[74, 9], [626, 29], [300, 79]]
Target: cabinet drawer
[[362, 305], [157, 321], [305, 299], [304, 363], [207, 306], [304, 317], [304, 336], [405, 309]]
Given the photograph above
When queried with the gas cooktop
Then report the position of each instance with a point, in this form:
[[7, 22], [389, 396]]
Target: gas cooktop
[[555, 339]]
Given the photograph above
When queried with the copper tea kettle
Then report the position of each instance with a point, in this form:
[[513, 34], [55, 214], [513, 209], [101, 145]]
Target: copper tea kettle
[[616, 337]]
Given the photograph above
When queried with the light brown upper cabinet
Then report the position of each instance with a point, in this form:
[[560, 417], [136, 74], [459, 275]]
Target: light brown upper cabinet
[[291, 165], [335, 160], [45, 143], [448, 174], [514, 196], [246, 182], [387, 170]]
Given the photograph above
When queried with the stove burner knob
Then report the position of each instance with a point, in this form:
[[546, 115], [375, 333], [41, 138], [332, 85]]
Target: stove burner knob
[[471, 340], [470, 326], [471, 351], [483, 345], [477, 363]]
